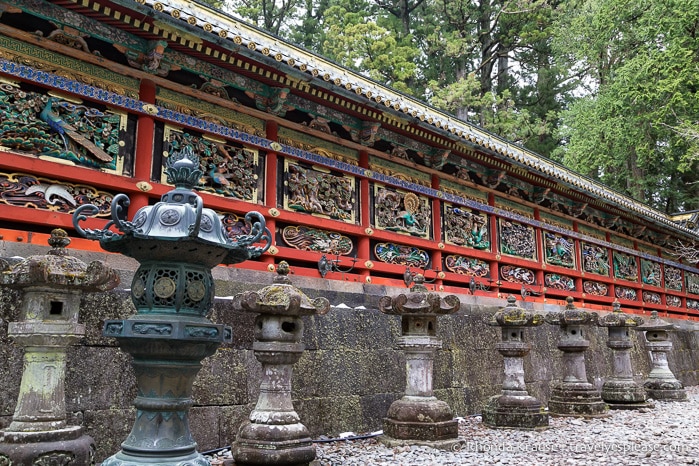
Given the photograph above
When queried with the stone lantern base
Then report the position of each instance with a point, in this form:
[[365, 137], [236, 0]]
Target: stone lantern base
[[577, 399], [665, 390], [622, 394], [271, 444], [517, 412], [421, 420], [62, 446]]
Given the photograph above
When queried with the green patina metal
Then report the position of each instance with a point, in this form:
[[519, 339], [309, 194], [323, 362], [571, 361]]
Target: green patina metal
[[177, 242]]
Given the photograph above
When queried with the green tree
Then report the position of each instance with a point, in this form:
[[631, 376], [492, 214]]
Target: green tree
[[357, 37], [640, 59], [271, 15]]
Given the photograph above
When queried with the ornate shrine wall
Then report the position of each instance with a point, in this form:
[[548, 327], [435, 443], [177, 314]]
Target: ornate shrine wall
[[376, 214]]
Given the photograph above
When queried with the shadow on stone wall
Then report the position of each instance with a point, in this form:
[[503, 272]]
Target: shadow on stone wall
[[345, 381]]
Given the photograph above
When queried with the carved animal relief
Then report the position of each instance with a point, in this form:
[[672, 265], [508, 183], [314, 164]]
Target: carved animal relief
[[625, 266], [312, 239], [466, 228], [466, 266], [228, 170], [517, 239], [42, 125], [401, 212], [559, 250], [317, 192]]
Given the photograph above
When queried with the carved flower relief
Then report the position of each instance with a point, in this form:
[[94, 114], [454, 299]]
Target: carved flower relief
[[516, 239], [466, 228]]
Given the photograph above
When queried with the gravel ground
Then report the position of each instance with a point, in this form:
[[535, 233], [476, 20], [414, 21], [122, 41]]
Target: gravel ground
[[664, 435]]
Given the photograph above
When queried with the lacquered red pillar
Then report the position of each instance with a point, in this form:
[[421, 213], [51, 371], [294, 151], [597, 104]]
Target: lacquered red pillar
[[437, 230], [271, 184], [494, 244], [145, 132], [363, 243]]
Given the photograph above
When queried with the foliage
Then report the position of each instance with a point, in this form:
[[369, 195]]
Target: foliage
[[641, 58], [608, 87]]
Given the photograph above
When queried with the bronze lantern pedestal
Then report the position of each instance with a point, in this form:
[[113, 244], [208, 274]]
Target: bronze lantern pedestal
[[177, 242]]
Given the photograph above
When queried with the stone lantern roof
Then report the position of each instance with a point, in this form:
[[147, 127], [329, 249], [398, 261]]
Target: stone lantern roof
[[619, 319], [655, 323], [57, 270], [281, 298], [178, 226], [571, 315], [514, 316]]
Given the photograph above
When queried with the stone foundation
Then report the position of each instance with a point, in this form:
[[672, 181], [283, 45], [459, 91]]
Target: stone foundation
[[347, 378]]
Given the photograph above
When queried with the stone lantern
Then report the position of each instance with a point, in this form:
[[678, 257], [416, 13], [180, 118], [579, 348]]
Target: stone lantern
[[419, 417], [515, 407], [51, 287], [620, 390], [177, 242], [573, 395], [275, 434], [661, 383]]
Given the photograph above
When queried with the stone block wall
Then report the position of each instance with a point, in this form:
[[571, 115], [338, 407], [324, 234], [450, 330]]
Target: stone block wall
[[345, 381]]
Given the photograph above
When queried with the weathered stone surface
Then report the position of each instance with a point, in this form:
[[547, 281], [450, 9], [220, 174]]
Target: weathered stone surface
[[63, 446], [467, 374], [109, 427], [98, 307], [226, 378], [327, 373], [325, 415], [99, 378], [375, 407], [205, 422], [526, 413], [10, 369], [230, 420]]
